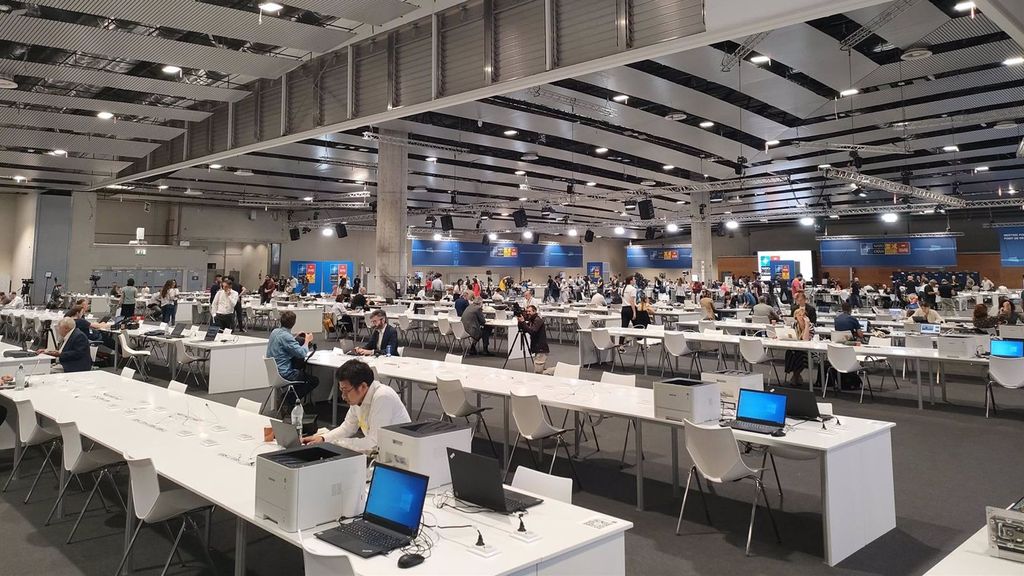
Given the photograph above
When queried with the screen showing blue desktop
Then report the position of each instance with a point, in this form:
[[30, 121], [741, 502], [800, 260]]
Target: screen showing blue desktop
[[1008, 348], [397, 496], [761, 406]]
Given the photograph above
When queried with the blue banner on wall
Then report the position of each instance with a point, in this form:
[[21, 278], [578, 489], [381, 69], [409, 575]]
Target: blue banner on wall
[[1011, 246], [454, 253], [321, 276], [678, 257], [595, 270], [890, 251]]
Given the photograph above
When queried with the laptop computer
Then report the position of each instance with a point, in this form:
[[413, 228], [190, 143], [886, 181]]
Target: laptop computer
[[1007, 348], [477, 479], [285, 434], [800, 404], [930, 328], [865, 325], [824, 308], [177, 332], [761, 412], [211, 333], [785, 333], [391, 518]]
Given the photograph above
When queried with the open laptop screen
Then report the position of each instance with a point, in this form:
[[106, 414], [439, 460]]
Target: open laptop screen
[[1008, 348], [930, 329], [761, 407], [396, 499]]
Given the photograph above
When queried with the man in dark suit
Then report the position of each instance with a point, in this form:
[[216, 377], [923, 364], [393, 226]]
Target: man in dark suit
[[74, 354], [383, 339], [476, 325]]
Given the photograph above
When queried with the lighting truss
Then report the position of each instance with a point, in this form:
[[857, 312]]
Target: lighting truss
[[719, 186], [876, 23], [357, 194], [729, 61], [890, 186], [300, 204], [347, 163], [949, 121], [573, 102], [882, 149], [411, 143]]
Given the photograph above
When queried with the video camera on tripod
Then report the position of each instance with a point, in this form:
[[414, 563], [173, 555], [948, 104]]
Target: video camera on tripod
[[517, 310]]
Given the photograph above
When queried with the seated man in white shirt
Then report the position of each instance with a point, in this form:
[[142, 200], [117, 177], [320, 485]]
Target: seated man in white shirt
[[372, 406], [597, 300]]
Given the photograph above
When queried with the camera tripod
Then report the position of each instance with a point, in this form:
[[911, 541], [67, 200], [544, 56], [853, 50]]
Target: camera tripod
[[524, 348]]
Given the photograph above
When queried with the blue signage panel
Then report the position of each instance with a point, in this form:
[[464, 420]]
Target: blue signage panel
[[890, 251], [321, 276], [676, 257], [1011, 246], [439, 253]]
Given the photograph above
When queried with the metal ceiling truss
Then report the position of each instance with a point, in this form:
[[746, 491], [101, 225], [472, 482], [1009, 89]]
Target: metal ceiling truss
[[882, 149], [412, 143], [961, 119], [574, 103], [873, 182], [729, 61], [720, 186], [302, 204], [875, 24]]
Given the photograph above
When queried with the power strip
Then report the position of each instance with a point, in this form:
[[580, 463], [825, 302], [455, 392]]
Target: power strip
[[485, 551], [528, 536]]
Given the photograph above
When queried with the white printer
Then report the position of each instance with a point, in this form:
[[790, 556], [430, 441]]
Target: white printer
[[681, 399], [730, 382], [421, 447], [305, 486]]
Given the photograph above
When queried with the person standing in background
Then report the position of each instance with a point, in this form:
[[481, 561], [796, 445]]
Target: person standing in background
[[237, 287], [168, 298], [216, 286], [128, 295], [267, 290], [223, 306]]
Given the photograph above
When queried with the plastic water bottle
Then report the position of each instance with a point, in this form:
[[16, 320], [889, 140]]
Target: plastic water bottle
[[297, 414], [19, 378]]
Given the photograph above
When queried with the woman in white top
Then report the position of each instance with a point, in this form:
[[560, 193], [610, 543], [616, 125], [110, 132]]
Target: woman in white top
[[168, 298]]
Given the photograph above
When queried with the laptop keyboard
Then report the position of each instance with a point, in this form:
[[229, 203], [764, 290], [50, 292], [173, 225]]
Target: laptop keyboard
[[753, 427], [368, 534]]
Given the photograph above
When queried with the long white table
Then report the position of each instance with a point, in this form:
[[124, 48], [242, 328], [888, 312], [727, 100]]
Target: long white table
[[971, 558], [858, 499], [209, 448]]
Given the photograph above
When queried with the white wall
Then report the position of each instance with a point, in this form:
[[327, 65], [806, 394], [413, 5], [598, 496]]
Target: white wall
[[116, 221], [250, 259], [8, 215], [24, 240], [232, 225]]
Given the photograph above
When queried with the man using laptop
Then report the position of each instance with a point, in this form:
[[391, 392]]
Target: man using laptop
[[290, 355], [763, 309], [845, 322], [74, 354], [383, 339], [372, 406]]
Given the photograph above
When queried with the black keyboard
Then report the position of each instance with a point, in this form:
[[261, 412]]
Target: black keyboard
[[754, 427], [365, 532]]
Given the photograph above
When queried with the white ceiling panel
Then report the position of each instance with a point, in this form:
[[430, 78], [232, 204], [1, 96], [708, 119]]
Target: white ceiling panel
[[121, 81], [106, 167], [991, 53], [118, 44], [122, 108], [918, 20], [816, 54], [31, 174], [369, 11], [74, 143], [87, 124], [211, 19]]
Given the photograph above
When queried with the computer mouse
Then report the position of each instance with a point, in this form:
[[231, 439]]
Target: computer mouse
[[410, 560], [779, 432]]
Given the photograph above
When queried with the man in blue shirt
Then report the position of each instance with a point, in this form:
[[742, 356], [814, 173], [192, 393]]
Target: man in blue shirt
[[290, 355], [845, 322], [462, 302]]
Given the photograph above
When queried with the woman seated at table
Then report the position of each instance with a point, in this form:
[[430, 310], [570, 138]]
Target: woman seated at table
[[1007, 312], [707, 306], [644, 313], [926, 314], [796, 360], [982, 321]]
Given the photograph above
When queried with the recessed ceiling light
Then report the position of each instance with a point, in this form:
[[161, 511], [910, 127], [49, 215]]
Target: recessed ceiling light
[[834, 216], [915, 53], [307, 198], [520, 172], [672, 227], [862, 194], [20, 178], [492, 236], [523, 198], [647, 182], [360, 182], [732, 224], [676, 116], [591, 183], [530, 156], [431, 159], [706, 124], [327, 231], [1013, 61], [59, 152], [620, 98], [807, 221], [527, 234], [823, 166], [668, 167], [981, 169], [270, 7], [437, 235], [620, 230], [510, 132], [760, 59], [849, 92], [951, 148], [216, 166], [162, 187], [171, 69], [1005, 125], [104, 115], [572, 232], [964, 6], [772, 143], [601, 150], [243, 172], [680, 201], [890, 217]]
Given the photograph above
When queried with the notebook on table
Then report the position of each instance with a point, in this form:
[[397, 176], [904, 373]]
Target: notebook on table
[[761, 412]]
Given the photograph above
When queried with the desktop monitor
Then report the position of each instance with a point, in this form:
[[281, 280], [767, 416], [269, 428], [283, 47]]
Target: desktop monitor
[[761, 407], [1007, 348]]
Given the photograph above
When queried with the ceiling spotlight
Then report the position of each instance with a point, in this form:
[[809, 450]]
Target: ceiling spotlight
[[849, 92], [270, 7], [951, 148], [215, 166], [430, 159], [520, 172], [523, 198], [191, 192], [529, 156], [732, 224], [243, 172], [307, 198], [171, 69], [437, 235], [807, 221], [964, 6], [510, 132], [1016, 60], [162, 187], [668, 167], [823, 166], [862, 194], [672, 227], [20, 178], [760, 59], [772, 143], [104, 115], [327, 231], [981, 169], [620, 98], [59, 152], [572, 232], [591, 183], [601, 150], [647, 182], [890, 217], [706, 124], [8, 82], [527, 234], [492, 236], [620, 230], [834, 216]]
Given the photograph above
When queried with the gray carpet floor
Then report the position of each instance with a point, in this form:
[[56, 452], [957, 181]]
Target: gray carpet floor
[[949, 463]]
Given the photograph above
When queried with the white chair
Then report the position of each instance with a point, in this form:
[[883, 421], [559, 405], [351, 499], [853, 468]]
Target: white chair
[[532, 425], [322, 559], [247, 405], [137, 357], [621, 380], [881, 363], [565, 370], [541, 484], [676, 346], [155, 504], [843, 360], [444, 330], [277, 385], [459, 335], [1006, 372], [193, 363], [96, 462], [128, 373], [454, 405], [603, 342], [583, 322], [31, 433], [753, 352], [756, 319], [409, 329], [175, 386], [716, 457], [429, 388]]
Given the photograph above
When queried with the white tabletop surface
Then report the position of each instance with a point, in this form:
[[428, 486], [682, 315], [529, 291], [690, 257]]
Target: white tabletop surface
[[972, 559]]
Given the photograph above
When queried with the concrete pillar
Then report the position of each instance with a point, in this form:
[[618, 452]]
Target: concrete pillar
[[701, 236], [83, 235], [392, 227]]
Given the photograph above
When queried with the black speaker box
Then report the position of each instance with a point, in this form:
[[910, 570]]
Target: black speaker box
[[646, 208], [650, 233], [294, 233], [519, 216], [536, 239], [485, 240], [588, 235], [341, 230], [446, 223]]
